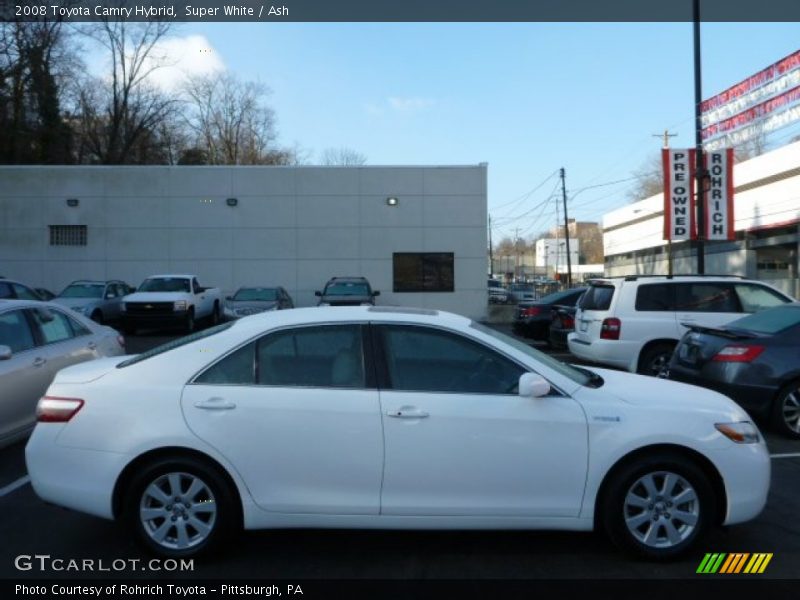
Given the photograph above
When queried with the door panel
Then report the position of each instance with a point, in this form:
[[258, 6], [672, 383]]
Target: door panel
[[460, 441]]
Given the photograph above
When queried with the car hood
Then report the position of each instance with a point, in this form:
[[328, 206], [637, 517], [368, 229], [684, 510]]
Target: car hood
[[75, 302], [651, 392], [155, 296], [88, 371]]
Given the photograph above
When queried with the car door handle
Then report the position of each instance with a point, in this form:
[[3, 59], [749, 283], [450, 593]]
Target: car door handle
[[215, 404], [405, 413], [39, 361]]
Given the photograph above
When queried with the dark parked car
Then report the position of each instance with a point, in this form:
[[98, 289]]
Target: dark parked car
[[561, 325], [533, 318], [521, 292], [347, 291], [253, 300], [45, 294], [752, 360], [14, 290]]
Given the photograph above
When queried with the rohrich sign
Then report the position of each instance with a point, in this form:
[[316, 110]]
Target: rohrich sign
[[680, 218], [763, 102]]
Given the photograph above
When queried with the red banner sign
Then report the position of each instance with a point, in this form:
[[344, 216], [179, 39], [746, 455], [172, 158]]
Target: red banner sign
[[719, 195], [679, 205]]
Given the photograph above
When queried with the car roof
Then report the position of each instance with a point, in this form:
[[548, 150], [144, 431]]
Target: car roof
[[344, 314]]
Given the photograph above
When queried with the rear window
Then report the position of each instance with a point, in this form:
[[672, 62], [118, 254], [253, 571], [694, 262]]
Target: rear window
[[175, 344], [597, 297], [772, 320]]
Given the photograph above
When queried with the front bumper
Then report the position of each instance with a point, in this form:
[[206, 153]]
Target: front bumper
[[176, 318]]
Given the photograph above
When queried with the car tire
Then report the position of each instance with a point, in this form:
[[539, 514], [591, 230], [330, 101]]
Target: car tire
[[786, 410], [196, 524], [215, 314], [189, 323], [655, 359], [128, 329], [641, 507]]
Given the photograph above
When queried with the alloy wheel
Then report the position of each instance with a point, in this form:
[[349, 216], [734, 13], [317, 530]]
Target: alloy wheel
[[661, 509], [790, 410], [178, 511]]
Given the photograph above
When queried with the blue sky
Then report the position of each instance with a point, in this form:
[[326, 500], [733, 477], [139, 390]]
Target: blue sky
[[527, 98]]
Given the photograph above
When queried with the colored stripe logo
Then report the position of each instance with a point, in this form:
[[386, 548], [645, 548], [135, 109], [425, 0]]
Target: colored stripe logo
[[734, 563]]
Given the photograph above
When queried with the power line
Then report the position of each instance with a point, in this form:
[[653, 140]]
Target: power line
[[527, 194]]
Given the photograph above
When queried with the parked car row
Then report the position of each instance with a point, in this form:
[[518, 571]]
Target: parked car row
[[737, 336]]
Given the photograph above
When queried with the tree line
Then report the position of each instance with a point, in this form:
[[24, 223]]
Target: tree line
[[53, 111]]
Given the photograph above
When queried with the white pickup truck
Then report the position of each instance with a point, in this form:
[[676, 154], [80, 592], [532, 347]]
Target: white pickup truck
[[167, 300]]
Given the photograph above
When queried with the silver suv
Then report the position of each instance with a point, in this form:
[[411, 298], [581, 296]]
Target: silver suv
[[635, 322]]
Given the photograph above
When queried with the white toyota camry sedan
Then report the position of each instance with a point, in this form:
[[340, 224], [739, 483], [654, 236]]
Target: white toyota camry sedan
[[377, 417]]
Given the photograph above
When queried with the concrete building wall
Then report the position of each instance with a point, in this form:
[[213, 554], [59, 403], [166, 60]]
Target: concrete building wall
[[292, 226]]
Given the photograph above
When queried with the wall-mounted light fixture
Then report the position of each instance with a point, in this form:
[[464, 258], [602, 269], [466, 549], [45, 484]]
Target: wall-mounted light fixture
[[232, 201], [73, 202], [391, 201]]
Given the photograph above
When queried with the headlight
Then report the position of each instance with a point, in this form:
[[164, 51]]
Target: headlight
[[180, 305], [741, 433]]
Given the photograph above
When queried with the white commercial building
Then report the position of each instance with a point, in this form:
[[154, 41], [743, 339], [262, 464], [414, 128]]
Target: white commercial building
[[417, 233], [551, 253], [766, 218]]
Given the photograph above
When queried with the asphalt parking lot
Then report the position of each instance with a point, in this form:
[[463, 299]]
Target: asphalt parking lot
[[30, 527]]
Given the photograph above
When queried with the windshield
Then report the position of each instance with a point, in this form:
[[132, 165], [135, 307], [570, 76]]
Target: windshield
[[556, 297], [579, 376], [772, 320], [175, 344], [83, 290], [165, 284], [256, 294], [349, 288]]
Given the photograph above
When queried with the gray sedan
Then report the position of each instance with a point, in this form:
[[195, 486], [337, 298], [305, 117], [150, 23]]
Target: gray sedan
[[253, 300], [38, 339], [98, 300]]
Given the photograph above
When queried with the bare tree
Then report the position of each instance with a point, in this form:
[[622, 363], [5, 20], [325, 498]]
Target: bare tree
[[342, 156], [649, 179], [35, 62], [120, 117], [232, 123], [754, 146]]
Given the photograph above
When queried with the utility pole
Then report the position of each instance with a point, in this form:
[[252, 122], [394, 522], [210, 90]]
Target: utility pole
[[698, 132], [667, 135], [566, 226], [491, 250]]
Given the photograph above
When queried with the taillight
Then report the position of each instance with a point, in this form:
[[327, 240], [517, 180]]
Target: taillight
[[531, 311], [610, 329], [57, 410], [567, 322], [121, 341], [738, 353]]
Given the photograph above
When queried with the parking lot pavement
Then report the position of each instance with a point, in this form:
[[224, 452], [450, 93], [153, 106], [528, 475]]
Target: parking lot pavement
[[32, 527]]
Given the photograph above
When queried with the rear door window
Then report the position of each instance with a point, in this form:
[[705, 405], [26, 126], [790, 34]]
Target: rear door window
[[15, 331], [597, 297], [707, 297], [656, 297]]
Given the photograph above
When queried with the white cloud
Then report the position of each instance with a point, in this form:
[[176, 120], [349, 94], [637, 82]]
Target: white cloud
[[410, 104], [183, 57]]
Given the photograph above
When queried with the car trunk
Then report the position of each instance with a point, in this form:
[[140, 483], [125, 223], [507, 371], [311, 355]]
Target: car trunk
[[702, 344], [593, 307]]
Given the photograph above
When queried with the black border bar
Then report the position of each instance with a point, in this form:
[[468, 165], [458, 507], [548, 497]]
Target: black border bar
[[408, 10]]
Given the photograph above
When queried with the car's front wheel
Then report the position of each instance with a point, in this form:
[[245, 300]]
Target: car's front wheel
[[658, 507], [180, 507]]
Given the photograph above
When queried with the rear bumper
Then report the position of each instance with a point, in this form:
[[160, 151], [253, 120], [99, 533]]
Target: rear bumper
[[614, 353], [538, 329], [729, 379]]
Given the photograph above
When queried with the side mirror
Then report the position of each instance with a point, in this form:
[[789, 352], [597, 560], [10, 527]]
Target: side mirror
[[110, 296], [533, 385], [45, 315], [318, 294], [376, 293], [5, 353]]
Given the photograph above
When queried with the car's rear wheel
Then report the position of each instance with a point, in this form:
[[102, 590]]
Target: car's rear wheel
[[786, 410], [180, 507], [655, 360], [657, 508]]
